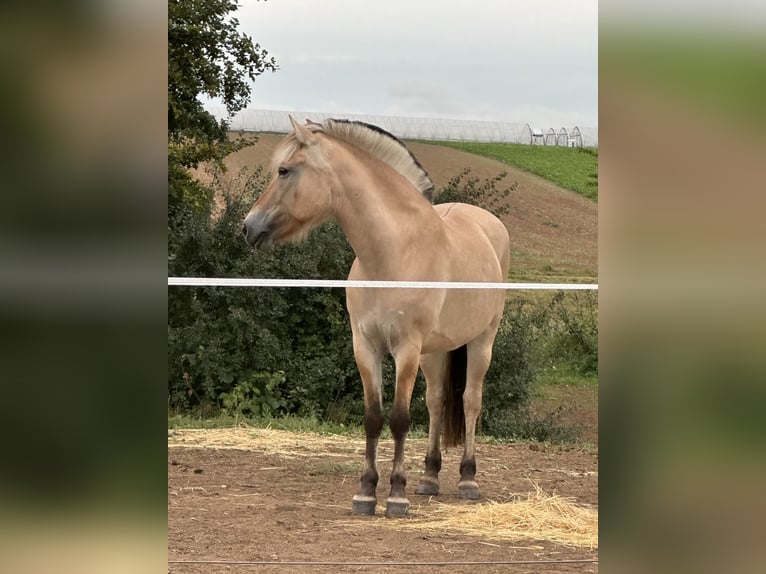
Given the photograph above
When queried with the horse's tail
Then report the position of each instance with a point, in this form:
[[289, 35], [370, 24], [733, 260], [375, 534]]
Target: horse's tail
[[454, 415]]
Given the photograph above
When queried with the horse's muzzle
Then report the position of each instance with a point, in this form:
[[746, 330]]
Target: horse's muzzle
[[257, 231]]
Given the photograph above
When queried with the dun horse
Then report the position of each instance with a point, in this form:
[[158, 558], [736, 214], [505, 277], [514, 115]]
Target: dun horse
[[369, 182]]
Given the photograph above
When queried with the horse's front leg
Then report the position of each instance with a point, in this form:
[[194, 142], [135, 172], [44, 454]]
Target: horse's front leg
[[397, 503], [369, 364]]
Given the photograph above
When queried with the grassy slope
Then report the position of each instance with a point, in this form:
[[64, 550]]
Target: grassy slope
[[575, 169], [571, 168]]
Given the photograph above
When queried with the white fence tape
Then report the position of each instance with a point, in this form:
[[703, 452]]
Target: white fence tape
[[236, 282]]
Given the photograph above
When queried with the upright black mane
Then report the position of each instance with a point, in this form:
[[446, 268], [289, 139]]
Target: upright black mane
[[427, 189]]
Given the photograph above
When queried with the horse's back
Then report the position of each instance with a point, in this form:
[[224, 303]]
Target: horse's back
[[460, 218], [473, 247]]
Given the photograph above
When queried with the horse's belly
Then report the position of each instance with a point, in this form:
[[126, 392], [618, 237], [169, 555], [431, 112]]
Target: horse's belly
[[462, 319], [437, 342]]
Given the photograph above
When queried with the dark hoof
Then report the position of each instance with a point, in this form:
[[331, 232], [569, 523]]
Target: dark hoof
[[468, 491], [428, 487], [363, 505], [397, 507]]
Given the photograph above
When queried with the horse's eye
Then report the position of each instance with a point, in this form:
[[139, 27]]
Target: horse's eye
[[283, 171]]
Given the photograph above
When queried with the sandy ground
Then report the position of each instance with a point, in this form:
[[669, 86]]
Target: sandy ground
[[264, 495]]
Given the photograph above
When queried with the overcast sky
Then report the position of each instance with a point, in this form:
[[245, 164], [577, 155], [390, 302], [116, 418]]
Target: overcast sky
[[500, 60]]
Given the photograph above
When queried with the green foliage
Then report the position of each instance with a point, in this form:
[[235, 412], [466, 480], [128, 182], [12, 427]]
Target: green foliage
[[508, 382], [207, 56], [258, 394], [219, 339], [465, 188], [571, 168], [522, 424], [555, 340], [571, 344]]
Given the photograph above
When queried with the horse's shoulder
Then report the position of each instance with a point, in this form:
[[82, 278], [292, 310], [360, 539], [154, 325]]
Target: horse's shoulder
[[466, 212], [460, 210]]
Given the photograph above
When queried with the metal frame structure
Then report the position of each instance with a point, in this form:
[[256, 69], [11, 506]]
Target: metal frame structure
[[276, 121]]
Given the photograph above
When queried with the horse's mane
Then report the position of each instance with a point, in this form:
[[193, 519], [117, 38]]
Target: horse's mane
[[378, 143]]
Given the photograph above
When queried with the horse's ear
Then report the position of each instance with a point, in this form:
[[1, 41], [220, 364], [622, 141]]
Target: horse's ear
[[302, 134]]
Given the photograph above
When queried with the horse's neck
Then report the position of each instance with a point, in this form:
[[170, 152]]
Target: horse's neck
[[382, 216]]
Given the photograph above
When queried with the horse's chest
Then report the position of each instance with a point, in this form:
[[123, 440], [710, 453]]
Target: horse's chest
[[389, 329]]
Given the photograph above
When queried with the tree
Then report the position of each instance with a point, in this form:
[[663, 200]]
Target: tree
[[207, 55]]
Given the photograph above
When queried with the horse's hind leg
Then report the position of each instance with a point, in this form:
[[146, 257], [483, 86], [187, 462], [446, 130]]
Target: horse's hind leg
[[434, 368], [479, 357]]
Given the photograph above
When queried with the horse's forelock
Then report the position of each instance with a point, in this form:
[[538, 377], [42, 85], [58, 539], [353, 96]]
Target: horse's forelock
[[286, 148], [290, 144]]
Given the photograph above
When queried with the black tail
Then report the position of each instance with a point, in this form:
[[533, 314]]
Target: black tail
[[454, 415]]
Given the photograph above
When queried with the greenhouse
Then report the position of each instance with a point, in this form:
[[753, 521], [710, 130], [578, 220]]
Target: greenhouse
[[276, 121]]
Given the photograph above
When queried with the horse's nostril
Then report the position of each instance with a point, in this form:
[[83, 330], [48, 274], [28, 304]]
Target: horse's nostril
[[244, 230], [261, 237]]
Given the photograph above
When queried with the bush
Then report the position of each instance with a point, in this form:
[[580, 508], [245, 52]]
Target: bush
[[258, 395], [465, 188], [512, 371], [555, 336], [570, 346], [522, 424], [222, 338]]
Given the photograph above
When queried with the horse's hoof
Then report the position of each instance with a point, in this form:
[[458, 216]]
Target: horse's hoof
[[397, 507], [428, 487], [363, 505], [468, 490]]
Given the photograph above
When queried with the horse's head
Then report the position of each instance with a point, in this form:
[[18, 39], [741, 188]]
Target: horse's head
[[298, 197]]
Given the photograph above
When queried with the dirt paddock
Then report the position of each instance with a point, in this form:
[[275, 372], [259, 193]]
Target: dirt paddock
[[261, 495]]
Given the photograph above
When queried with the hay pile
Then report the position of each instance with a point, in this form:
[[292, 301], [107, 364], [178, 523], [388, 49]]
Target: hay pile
[[540, 516], [271, 441]]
